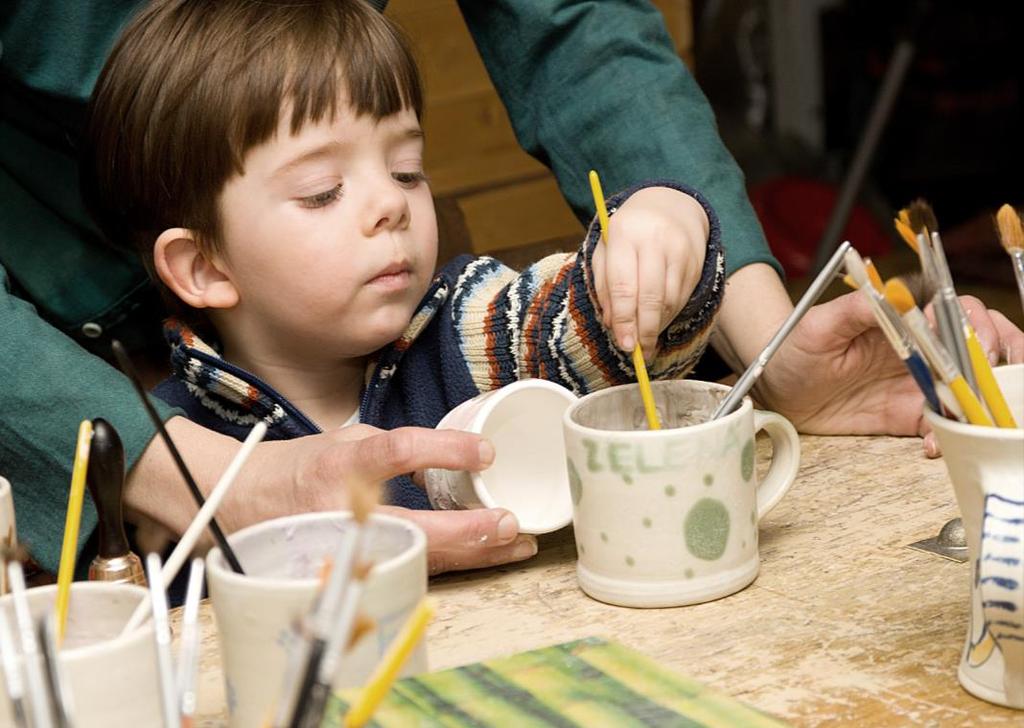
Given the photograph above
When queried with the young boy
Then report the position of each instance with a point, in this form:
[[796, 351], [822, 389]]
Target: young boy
[[267, 161]]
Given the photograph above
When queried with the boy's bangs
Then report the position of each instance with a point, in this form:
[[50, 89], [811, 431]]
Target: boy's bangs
[[318, 60]]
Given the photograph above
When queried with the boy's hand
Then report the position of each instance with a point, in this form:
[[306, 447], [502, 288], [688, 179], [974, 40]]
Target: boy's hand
[[650, 265]]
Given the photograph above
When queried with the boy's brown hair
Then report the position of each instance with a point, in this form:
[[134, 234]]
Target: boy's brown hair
[[192, 85]]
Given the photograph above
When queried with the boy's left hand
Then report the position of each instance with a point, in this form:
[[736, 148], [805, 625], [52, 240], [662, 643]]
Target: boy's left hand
[[651, 263]]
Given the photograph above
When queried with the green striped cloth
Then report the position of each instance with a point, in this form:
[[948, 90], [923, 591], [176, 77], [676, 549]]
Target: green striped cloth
[[589, 682]]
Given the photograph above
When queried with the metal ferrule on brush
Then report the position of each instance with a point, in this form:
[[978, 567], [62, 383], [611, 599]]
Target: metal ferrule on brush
[[938, 358], [1017, 256], [955, 316], [122, 569]]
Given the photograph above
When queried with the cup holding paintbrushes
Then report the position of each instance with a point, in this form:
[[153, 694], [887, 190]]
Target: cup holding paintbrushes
[[257, 613], [669, 517], [111, 679]]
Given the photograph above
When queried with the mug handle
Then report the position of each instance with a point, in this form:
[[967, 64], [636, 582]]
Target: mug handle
[[1002, 593], [785, 459]]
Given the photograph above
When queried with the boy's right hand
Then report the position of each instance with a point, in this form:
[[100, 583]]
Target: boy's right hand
[[650, 266], [306, 474]]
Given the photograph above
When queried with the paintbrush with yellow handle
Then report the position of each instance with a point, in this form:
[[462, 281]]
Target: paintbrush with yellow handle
[[1011, 235], [900, 298], [69, 549], [387, 669], [976, 370], [653, 423]]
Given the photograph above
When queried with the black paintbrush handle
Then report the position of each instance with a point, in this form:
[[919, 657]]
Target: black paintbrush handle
[[105, 479]]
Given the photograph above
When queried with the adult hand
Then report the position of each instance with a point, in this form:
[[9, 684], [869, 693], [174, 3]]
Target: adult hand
[[456, 540], [313, 473], [837, 374], [470, 539], [646, 273]]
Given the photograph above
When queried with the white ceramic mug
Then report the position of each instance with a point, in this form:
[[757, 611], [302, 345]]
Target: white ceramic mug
[[524, 422], [986, 466], [669, 517], [112, 679], [8, 527], [282, 558]]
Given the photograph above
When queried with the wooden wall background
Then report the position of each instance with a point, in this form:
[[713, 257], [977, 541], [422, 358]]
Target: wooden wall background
[[491, 195]]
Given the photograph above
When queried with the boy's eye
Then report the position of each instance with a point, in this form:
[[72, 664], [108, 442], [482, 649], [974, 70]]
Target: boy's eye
[[409, 179], [321, 199]]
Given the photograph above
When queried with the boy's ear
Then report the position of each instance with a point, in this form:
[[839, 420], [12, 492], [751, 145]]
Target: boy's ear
[[198, 279]]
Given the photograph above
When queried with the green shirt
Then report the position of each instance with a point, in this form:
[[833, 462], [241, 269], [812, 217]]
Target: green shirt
[[587, 85]]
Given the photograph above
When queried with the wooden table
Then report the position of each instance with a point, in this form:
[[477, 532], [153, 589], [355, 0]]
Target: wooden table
[[844, 625]]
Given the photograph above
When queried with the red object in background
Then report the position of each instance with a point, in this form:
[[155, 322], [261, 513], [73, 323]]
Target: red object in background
[[794, 212]]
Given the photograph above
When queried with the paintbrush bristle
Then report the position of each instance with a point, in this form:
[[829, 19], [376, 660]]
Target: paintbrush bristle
[[904, 216], [903, 228], [922, 216], [873, 276], [364, 497], [363, 626], [17, 552], [898, 295], [848, 280], [1011, 231], [361, 570], [918, 285]]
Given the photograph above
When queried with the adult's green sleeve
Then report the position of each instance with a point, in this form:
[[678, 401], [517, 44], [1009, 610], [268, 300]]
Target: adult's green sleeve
[[598, 85], [48, 385]]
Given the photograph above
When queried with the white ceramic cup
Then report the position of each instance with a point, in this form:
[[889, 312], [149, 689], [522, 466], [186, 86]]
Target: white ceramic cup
[[8, 528], [669, 517], [986, 466], [112, 679], [282, 558], [524, 422]]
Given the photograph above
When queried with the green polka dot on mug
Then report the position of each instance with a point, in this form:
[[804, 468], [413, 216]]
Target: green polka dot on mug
[[707, 529], [747, 461], [575, 484]]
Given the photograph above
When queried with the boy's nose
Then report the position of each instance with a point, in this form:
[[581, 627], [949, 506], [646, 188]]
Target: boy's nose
[[387, 209]]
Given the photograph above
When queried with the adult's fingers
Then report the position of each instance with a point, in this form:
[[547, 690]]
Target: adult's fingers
[[355, 432], [835, 323], [469, 539], [981, 321], [387, 454], [1011, 339]]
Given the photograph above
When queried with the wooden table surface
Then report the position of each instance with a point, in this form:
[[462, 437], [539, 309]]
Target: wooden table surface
[[844, 624]]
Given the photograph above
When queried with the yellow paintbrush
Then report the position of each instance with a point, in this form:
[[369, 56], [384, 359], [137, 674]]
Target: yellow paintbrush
[[387, 670], [979, 367], [69, 549], [638, 356], [899, 296]]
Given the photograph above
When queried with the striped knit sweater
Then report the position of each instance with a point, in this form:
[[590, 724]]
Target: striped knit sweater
[[480, 326]]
